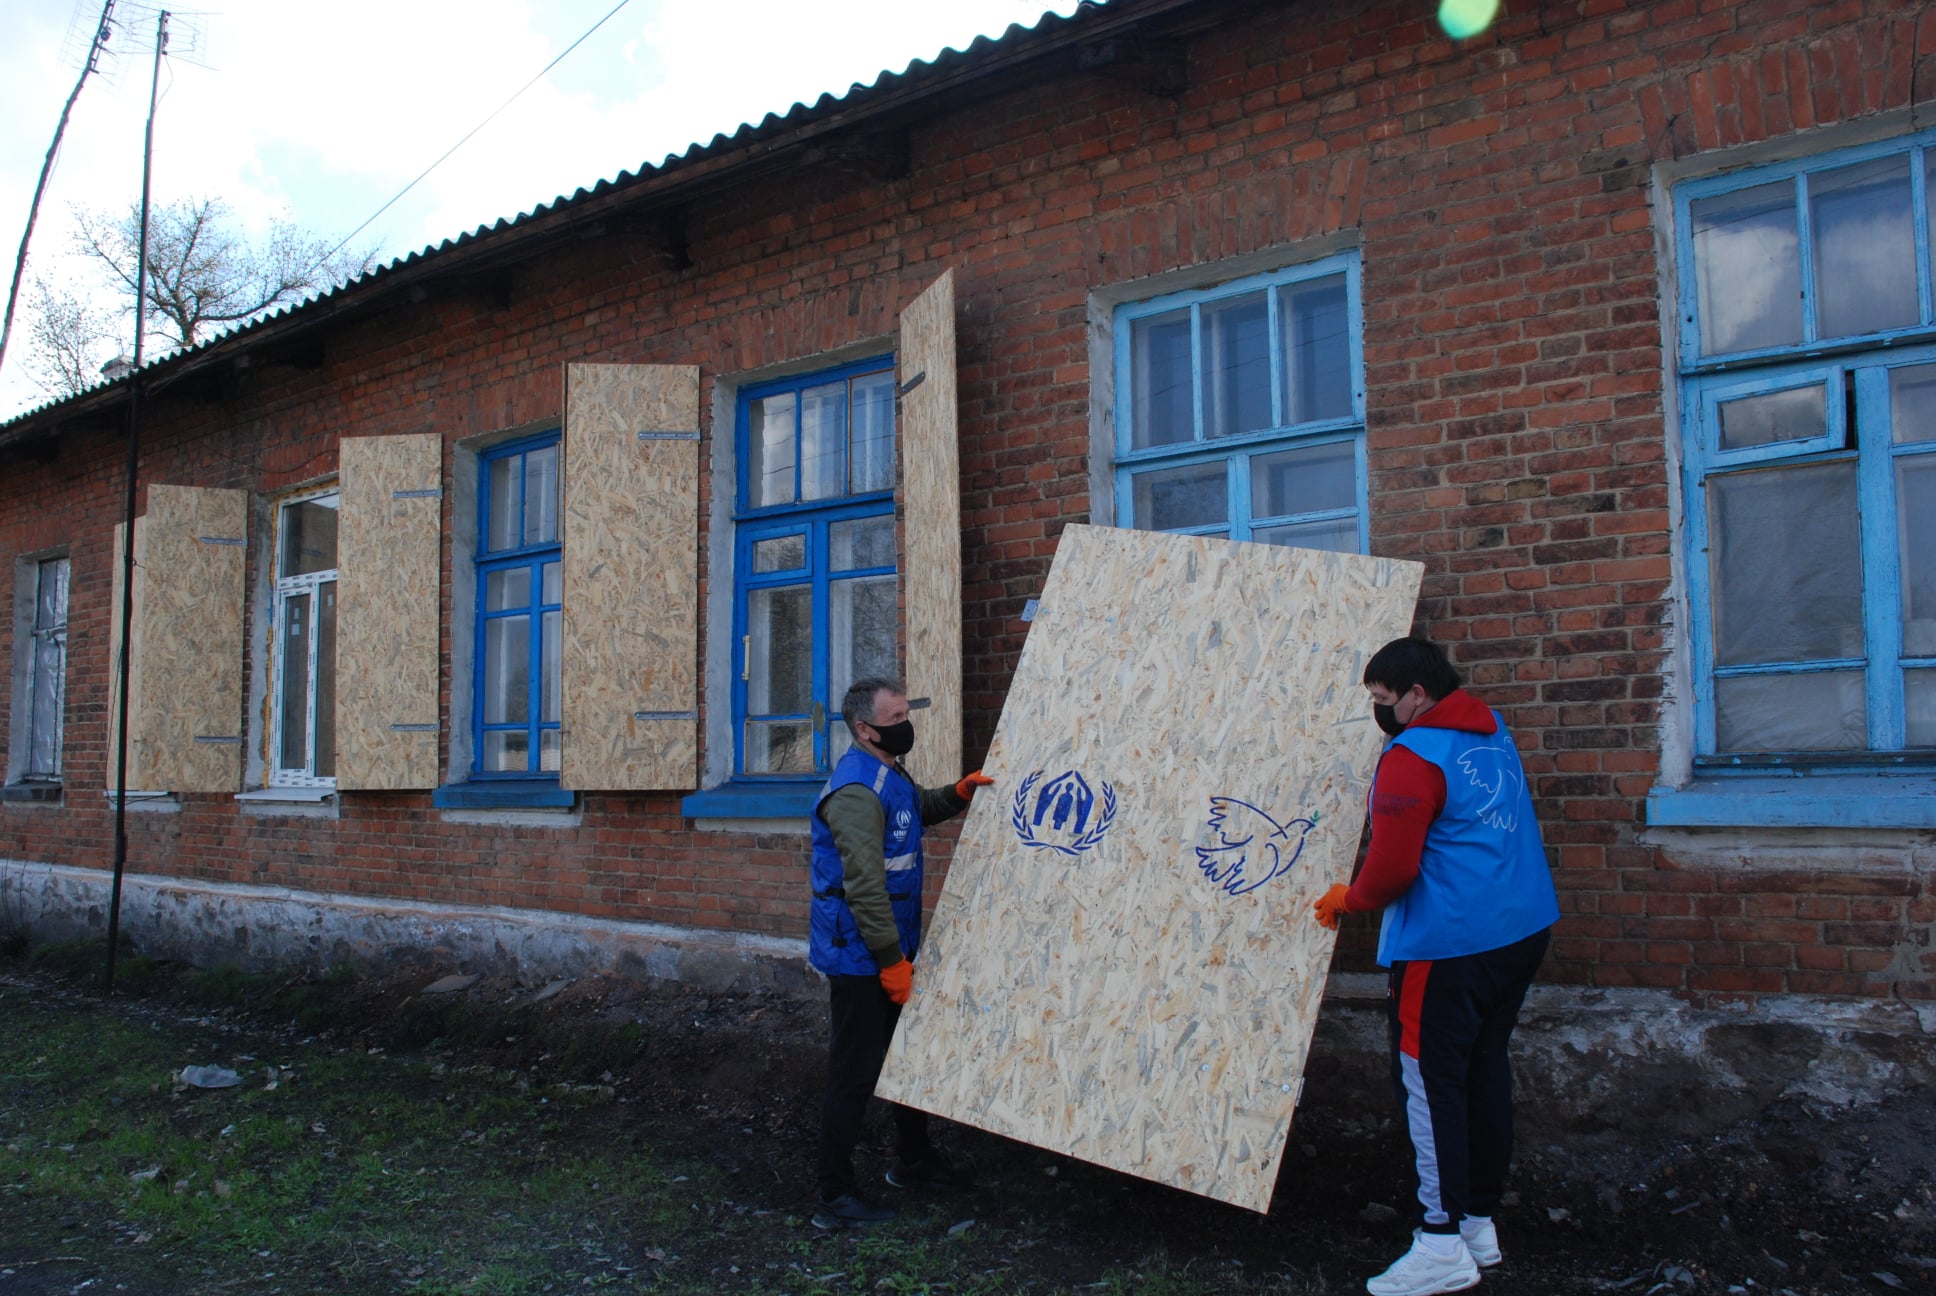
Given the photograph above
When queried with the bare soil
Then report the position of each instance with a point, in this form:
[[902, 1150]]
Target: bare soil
[[1793, 1201]]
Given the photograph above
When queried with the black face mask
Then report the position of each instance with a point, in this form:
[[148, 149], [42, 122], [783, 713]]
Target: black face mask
[[1387, 718], [895, 739]]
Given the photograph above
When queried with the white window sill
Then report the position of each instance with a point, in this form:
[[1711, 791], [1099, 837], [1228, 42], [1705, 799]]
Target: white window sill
[[1797, 800], [295, 795], [155, 802]]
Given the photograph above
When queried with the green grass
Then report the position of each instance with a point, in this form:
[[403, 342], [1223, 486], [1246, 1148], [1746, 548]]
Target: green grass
[[431, 1173]]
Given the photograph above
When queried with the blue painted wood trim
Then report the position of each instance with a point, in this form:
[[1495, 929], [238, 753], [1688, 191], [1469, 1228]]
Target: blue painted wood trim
[[1797, 801], [772, 800], [504, 794]]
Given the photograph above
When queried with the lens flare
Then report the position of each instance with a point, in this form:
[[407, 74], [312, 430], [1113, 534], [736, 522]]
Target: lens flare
[[1463, 19]]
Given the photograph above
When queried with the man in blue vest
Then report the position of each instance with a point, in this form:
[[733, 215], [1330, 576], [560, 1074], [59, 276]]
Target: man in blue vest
[[1456, 864], [864, 935]]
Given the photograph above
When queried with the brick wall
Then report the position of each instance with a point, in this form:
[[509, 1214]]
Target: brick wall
[[1500, 191]]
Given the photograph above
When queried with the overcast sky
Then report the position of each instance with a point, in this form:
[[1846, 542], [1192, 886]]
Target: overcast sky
[[321, 113]]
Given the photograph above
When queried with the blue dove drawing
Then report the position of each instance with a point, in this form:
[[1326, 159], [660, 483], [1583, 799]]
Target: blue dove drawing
[[1252, 848], [1492, 773]]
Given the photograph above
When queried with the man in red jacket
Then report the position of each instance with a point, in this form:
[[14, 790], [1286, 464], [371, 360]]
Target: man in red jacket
[[1458, 869]]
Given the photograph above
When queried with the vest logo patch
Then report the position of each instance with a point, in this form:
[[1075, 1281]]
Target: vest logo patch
[[1064, 815], [903, 821], [1248, 847], [1497, 777]]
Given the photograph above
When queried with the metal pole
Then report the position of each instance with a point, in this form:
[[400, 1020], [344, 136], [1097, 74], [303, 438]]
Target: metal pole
[[127, 546]]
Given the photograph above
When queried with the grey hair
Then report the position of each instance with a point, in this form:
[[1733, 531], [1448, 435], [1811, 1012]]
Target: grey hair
[[858, 704]]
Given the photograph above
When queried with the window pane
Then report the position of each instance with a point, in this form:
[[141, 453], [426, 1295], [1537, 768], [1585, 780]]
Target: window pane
[[1787, 565], [1916, 527], [1304, 481], [873, 435], [861, 621], [541, 496], [1919, 690], [43, 746], [549, 748], [1182, 497], [1864, 235], [1317, 349], [1794, 415], [781, 553], [50, 598], [503, 503], [1339, 535], [1912, 401], [1236, 345], [780, 669], [508, 587], [770, 443], [554, 583], [507, 670], [862, 542], [823, 436], [1747, 267], [548, 703], [295, 683], [779, 747], [1814, 711], [1159, 361], [309, 536], [326, 681], [506, 751]]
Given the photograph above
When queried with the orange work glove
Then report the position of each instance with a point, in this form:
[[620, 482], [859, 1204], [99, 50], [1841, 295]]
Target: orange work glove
[[898, 981], [966, 788], [1329, 906]]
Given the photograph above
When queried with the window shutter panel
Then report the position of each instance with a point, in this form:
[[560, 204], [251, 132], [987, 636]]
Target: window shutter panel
[[631, 580], [930, 497], [389, 542], [185, 711]]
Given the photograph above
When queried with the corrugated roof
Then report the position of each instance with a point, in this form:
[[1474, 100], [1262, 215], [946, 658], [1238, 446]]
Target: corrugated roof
[[921, 77]]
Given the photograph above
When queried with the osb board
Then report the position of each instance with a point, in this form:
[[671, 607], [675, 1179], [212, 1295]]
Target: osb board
[[387, 549], [1123, 966], [931, 539], [185, 717], [631, 580]]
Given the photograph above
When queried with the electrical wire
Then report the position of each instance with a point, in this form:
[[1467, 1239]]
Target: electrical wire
[[480, 126]]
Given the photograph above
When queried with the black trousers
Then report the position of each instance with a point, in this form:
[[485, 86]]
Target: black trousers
[[1450, 1022], [862, 1019]]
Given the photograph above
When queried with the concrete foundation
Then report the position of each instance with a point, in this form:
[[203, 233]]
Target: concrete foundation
[[1615, 1061]]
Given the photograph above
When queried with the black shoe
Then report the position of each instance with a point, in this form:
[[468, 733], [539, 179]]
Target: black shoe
[[850, 1210], [933, 1171]]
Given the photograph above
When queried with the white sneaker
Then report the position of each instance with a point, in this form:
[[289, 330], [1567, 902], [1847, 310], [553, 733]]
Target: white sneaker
[[1481, 1239], [1423, 1272]]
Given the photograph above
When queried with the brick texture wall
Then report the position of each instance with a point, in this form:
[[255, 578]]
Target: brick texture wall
[[1500, 191]]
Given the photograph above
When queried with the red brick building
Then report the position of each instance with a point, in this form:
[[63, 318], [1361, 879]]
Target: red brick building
[[1618, 317]]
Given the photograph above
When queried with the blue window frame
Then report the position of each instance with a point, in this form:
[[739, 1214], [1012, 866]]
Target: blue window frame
[[518, 617], [1240, 409], [816, 595], [1808, 406]]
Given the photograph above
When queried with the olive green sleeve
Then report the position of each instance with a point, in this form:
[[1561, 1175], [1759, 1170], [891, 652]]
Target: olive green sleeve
[[858, 823], [939, 804]]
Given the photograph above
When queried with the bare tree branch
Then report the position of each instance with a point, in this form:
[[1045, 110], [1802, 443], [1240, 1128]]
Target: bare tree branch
[[69, 337]]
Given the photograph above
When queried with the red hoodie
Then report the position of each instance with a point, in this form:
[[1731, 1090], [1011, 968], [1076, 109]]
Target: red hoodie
[[1407, 794]]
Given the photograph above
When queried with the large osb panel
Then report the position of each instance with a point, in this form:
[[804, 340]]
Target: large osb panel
[[185, 712], [631, 598], [931, 540], [1123, 966], [387, 547]]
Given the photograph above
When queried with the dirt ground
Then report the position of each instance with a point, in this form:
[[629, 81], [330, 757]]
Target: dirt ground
[[1792, 1201]]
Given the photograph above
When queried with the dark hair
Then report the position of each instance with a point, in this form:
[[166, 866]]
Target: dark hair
[[1405, 662], [858, 702]]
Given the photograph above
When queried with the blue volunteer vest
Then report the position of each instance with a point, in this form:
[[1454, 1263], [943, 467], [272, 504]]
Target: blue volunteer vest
[[834, 944], [1483, 881]]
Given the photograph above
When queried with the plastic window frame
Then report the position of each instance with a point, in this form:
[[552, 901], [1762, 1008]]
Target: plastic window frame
[[36, 635], [1237, 452], [285, 586]]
